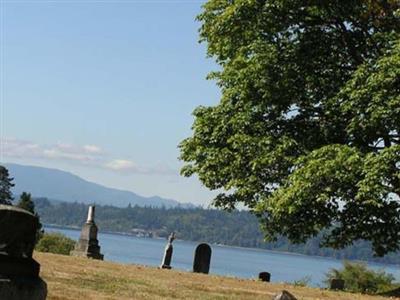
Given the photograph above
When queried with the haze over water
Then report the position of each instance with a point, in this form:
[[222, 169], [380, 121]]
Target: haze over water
[[225, 260]]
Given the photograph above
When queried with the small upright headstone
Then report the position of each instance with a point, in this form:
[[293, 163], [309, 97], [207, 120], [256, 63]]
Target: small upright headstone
[[19, 272], [264, 276], [88, 245], [166, 262], [284, 295], [202, 259], [337, 284]]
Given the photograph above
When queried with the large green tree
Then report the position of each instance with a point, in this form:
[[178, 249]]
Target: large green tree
[[5, 186], [307, 132]]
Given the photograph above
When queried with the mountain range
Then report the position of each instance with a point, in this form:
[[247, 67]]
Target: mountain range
[[64, 186]]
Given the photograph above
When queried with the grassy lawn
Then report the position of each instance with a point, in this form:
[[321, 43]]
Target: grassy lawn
[[79, 278]]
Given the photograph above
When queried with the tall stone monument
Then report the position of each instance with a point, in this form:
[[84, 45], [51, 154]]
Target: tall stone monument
[[19, 272], [202, 259], [88, 245], [166, 262]]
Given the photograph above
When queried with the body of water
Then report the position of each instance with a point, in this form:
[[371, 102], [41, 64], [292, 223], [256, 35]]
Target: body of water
[[225, 260]]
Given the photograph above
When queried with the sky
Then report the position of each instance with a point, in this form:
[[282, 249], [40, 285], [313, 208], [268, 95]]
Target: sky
[[105, 90]]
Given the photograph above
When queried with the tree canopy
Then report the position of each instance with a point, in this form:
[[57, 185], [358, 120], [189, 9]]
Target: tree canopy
[[307, 132], [5, 186], [26, 202]]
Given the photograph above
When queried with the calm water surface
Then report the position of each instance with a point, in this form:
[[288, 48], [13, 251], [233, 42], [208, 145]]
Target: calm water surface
[[225, 260]]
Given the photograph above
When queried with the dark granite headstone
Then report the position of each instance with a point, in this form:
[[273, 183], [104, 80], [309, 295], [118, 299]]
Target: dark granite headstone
[[284, 295], [18, 229], [202, 259], [88, 245], [166, 262], [337, 284], [19, 272], [23, 288], [264, 276]]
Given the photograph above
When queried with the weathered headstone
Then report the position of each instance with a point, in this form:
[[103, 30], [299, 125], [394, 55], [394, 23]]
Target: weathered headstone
[[264, 276], [202, 259], [88, 245], [284, 295], [166, 262], [337, 284], [19, 272]]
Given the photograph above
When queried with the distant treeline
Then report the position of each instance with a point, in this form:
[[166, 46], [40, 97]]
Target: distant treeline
[[238, 228]]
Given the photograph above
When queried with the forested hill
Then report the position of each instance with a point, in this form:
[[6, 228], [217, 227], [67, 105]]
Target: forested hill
[[239, 228]]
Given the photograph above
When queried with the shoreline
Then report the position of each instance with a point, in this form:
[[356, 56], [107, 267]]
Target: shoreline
[[127, 234]]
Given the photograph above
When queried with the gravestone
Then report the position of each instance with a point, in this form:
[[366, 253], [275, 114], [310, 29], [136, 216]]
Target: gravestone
[[166, 262], [337, 284], [19, 272], [202, 259], [284, 295], [264, 276], [88, 245]]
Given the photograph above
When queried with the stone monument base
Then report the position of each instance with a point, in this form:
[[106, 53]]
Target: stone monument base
[[165, 267], [87, 254], [22, 288], [19, 272], [18, 266]]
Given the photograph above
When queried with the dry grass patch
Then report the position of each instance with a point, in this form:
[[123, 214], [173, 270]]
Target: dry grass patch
[[79, 278]]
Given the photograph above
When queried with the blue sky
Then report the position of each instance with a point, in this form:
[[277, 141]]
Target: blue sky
[[104, 89]]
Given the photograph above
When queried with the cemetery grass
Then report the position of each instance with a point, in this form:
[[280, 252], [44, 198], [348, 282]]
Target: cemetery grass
[[79, 278]]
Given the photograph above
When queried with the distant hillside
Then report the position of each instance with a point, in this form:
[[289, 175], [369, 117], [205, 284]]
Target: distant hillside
[[65, 186]]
